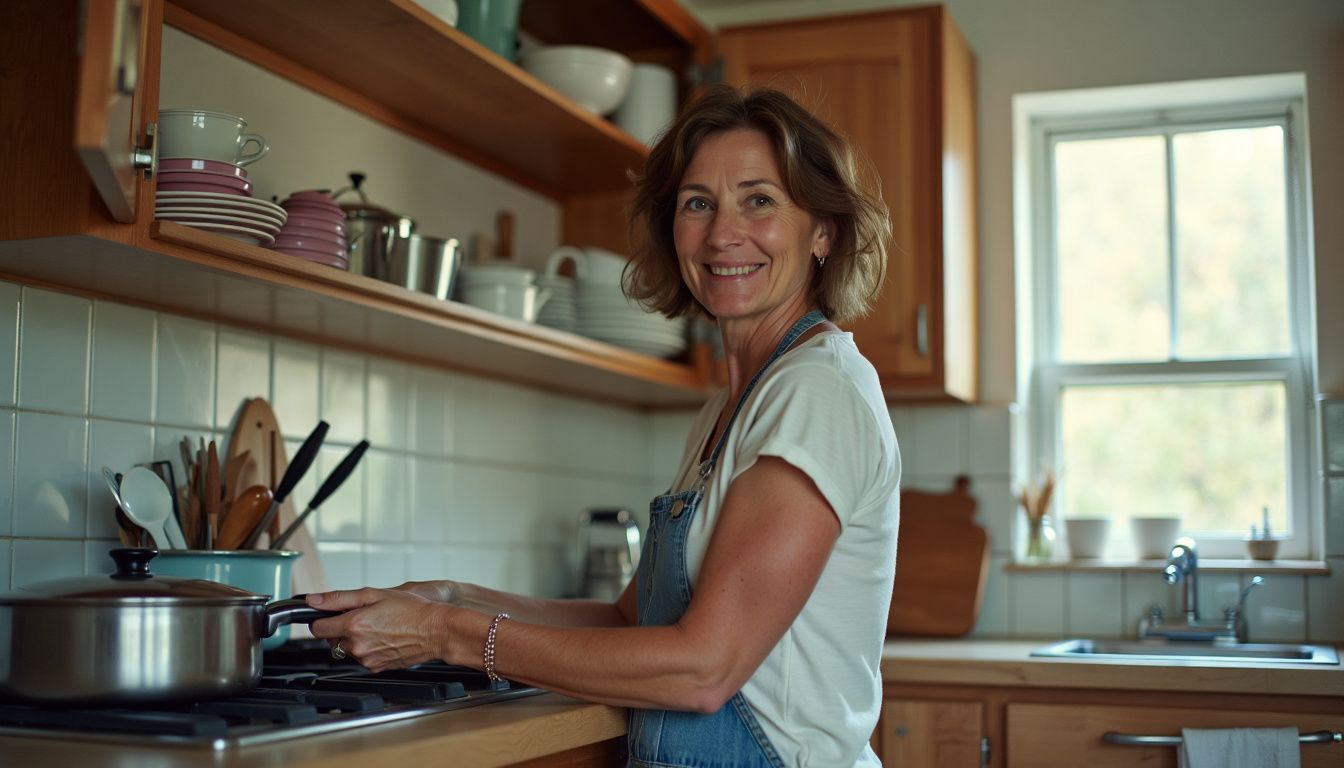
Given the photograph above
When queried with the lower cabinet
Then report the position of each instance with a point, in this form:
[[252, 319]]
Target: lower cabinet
[[933, 726], [933, 733], [1060, 735]]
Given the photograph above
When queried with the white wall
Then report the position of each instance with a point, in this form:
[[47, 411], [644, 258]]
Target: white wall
[[1024, 46]]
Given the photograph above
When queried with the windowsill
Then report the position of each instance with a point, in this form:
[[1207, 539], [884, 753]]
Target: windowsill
[[1303, 567]]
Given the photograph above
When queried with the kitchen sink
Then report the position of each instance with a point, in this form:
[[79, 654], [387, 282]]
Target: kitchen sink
[[1169, 650]]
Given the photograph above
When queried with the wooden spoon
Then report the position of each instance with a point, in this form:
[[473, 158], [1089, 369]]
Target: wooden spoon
[[246, 511]]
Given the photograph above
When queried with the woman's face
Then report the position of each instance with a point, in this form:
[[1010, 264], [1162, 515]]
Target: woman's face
[[745, 249]]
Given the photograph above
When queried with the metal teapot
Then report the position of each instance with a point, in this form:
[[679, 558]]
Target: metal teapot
[[607, 568], [374, 232]]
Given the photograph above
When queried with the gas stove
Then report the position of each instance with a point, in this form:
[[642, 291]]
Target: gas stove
[[303, 692]]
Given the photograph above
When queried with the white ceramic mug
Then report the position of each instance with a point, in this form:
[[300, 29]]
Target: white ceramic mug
[[596, 268], [204, 135], [1087, 536], [504, 290], [650, 104]]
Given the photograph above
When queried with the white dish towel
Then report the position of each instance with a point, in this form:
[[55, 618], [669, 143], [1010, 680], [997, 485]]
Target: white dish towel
[[1240, 748]]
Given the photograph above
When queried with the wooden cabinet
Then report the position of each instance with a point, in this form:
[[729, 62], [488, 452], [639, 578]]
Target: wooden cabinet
[[1025, 727], [1050, 735], [70, 102], [937, 734], [900, 85]]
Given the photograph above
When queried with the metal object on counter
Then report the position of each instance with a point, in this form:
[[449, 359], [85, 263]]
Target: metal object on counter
[[607, 568], [158, 638], [372, 231], [425, 264]]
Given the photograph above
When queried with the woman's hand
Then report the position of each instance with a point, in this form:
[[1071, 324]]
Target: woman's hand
[[383, 628], [442, 591]]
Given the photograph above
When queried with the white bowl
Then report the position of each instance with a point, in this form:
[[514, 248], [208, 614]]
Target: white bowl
[[596, 78], [1154, 536], [1087, 536]]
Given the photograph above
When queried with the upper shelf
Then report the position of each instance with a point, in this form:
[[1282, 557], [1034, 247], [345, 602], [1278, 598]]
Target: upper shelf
[[396, 62], [192, 272]]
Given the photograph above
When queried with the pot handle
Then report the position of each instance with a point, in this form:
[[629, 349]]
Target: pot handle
[[295, 610]]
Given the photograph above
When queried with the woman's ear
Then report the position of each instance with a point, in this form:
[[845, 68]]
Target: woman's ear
[[822, 237]]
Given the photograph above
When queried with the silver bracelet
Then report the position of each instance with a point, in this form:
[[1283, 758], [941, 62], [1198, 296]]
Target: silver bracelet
[[489, 655]]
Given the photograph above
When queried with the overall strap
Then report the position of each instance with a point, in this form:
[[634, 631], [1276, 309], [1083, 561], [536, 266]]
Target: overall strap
[[805, 323]]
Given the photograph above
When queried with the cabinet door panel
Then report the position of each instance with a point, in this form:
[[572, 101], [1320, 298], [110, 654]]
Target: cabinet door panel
[[1047, 735], [931, 733], [107, 116]]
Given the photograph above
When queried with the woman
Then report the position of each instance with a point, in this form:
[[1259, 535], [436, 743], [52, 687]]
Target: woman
[[753, 630]]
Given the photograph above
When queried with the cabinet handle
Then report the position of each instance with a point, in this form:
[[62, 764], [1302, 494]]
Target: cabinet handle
[[922, 330], [1134, 740]]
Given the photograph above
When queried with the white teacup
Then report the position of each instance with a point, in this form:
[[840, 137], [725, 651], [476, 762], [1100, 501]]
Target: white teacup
[[596, 267], [504, 290], [204, 135]]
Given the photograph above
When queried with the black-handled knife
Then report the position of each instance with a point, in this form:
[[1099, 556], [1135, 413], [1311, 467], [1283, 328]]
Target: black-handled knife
[[293, 473], [329, 486]]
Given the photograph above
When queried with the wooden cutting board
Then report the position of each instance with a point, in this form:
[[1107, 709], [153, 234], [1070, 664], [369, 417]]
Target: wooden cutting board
[[942, 558], [265, 465]]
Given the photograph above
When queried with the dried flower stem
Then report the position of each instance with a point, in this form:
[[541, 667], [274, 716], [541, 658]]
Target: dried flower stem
[[1035, 500]]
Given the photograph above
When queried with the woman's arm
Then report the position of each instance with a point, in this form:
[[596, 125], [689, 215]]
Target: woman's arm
[[560, 613], [773, 537]]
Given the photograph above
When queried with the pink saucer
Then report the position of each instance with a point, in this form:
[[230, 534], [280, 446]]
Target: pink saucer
[[209, 166]]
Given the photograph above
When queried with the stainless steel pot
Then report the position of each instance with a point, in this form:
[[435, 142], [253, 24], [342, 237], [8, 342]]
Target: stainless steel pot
[[425, 264], [133, 637], [372, 232]]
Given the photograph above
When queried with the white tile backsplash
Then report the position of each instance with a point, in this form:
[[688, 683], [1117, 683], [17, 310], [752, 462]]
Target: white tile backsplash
[[185, 389], [50, 493], [389, 405], [244, 372], [295, 377], [342, 383], [54, 352], [388, 487], [6, 562], [431, 501], [6, 472], [988, 442], [1332, 419], [1325, 621], [121, 385], [1092, 601], [1277, 610], [9, 340], [44, 559], [1334, 516], [1038, 604], [938, 444], [341, 516], [431, 427], [386, 565]]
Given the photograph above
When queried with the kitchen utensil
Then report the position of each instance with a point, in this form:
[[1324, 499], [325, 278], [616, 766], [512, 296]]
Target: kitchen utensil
[[131, 535], [135, 637], [942, 558], [148, 503], [243, 516], [265, 572], [607, 568], [211, 496], [372, 231], [253, 429], [302, 461], [113, 485], [425, 264], [329, 486], [233, 470], [164, 469]]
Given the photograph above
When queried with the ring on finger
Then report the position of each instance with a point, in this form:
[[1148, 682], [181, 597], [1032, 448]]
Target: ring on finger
[[337, 652]]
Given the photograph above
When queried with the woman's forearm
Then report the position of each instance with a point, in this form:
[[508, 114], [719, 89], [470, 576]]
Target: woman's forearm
[[533, 610]]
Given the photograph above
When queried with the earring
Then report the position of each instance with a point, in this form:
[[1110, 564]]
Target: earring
[[821, 262]]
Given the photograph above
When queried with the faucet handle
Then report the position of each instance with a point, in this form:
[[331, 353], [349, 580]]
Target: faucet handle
[[1235, 615], [1241, 602]]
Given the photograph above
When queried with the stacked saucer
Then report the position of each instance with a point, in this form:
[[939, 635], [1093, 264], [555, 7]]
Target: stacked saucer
[[605, 314], [255, 222], [559, 311], [185, 174], [315, 229]]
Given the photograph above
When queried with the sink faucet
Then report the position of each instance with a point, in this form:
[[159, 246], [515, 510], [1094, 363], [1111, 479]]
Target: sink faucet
[[1183, 567]]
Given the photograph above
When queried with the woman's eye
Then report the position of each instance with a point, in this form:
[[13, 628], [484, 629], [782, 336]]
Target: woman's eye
[[696, 204], [759, 201]]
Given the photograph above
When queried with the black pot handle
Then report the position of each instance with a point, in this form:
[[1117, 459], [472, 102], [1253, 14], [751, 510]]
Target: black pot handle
[[295, 610]]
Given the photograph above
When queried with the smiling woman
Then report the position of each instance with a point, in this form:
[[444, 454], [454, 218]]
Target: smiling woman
[[752, 632]]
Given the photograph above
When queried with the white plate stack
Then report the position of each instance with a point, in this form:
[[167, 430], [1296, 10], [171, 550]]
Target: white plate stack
[[252, 221], [560, 310], [605, 314]]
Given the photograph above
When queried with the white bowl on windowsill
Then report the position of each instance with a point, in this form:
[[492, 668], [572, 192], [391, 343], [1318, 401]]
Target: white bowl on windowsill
[[1154, 536]]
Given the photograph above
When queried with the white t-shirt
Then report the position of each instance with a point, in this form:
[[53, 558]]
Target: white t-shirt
[[820, 408]]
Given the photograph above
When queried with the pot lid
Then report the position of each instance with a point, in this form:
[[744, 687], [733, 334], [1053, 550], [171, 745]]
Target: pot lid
[[131, 582], [363, 209]]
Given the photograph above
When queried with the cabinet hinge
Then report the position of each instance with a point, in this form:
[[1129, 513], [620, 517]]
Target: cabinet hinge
[[984, 752], [699, 76]]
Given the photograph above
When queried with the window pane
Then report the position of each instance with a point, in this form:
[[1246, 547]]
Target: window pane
[[1212, 453], [1231, 243], [1111, 245]]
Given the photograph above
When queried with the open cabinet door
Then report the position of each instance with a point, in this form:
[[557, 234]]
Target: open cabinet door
[[107, 115]]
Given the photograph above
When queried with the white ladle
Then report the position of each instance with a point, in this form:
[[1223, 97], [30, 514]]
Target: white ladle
[[147, 501]]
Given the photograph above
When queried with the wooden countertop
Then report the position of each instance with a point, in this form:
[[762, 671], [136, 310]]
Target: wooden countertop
[[1009, 663], [491, 735]]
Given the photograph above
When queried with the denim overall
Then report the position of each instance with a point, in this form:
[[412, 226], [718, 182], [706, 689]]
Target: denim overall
[[667, 738]]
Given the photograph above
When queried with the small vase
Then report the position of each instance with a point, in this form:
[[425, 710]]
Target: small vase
[[1040, 540]]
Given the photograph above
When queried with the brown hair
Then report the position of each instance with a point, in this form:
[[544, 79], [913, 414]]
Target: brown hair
[[820, 173]]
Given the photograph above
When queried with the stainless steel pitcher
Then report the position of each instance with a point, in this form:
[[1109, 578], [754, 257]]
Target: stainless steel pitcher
[[373, 232], [607, 567]]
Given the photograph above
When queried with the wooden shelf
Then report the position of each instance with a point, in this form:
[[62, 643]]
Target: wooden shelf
[[395, 62], [191, 272]]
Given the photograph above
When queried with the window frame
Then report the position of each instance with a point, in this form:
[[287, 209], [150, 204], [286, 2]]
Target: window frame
[[1046, 377]]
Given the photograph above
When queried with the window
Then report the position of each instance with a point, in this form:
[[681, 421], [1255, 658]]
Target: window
[[1168, 306]]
